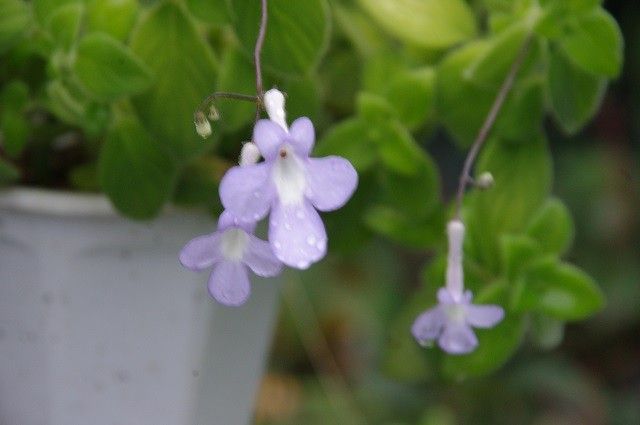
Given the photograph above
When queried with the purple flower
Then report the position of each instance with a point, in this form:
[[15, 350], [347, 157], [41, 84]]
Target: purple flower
[[292, 187], [229, 250], [451, 322]]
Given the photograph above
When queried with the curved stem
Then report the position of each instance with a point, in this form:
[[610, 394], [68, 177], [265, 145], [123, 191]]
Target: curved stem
[[257, 56], [507, 85]]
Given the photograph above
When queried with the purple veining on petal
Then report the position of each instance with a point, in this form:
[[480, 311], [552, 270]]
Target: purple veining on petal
[[229, 283], [297, 234], [331, 181], [302, 136], [246, 191], [268, 136]]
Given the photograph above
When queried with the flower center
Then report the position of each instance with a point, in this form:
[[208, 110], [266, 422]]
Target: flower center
[[233, 244], [289, 177], [455, 313]]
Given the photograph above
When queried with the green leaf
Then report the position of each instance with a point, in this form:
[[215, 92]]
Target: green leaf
[[397, 148], [8, 173], [493, 64], [108, 69], [546, 332], [199, 180], [361, 32], [236, 75], [575, 95], [552, 227], [297, 33], [114, 17], [135, 173], [64, 104], [349, 139], [522, 174], [14, 127], [426, 23], [523, 112], [397, 226], [594, 43], [85, 178], [412, 95], [304, 98], [64, 23], [217, 12], [44, 9], [14, 21], [462, 105], [561, 291], [517, 252], [185, 72]]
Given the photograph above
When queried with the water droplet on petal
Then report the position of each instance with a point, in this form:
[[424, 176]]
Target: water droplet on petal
[[311, 240], [322, 244], [287, 226], [256, 216], [277, 245], [256, 194], [300, 214], [303, 264]]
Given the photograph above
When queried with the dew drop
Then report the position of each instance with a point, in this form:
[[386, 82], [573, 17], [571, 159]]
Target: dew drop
[[303, 264], [311, 240], [300, 214], [277, 245], [256, 216], [322, 244], [256, 194], [287, 226]]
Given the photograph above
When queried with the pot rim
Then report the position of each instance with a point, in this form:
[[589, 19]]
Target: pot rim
[[55, 202]]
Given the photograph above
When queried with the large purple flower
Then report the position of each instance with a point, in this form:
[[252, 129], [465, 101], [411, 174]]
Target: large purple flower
[[229, 250], [292, 186], [451, 322]]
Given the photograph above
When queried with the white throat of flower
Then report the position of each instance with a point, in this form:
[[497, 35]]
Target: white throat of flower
[[289, 177], [455, 277], [234, 243]]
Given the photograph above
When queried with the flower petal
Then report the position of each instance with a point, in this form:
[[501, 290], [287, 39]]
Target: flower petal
[[458, 339], [297, 234], [483, 316], [302, 136], [229, 283], [246, 191], [330, 182], [261, 259], [428, 326], [201, 252], [268, 136], [227, 220]]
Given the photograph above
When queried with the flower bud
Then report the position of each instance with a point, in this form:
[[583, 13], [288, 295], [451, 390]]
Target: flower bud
[[203, 126], [250, 154], [484, 180], [214, 115], [274, 104]]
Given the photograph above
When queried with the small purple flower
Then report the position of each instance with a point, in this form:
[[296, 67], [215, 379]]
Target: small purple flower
[[451, 322], [290, 185], [229, 250]]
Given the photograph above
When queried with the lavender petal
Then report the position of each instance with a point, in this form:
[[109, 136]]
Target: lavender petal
[[261, 259], [483, 316], [458, 339], [302, 136], [201, 252], [229, 283], [246, 192], [331, 182], [268, 136], [428, 325], [297, 234]]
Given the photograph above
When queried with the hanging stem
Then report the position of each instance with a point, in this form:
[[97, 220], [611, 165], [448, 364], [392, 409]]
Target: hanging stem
[[257, 52], [507, 85]]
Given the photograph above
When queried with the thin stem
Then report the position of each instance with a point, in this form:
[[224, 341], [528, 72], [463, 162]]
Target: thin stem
[[257, 56], [210, 100], [507, 85]]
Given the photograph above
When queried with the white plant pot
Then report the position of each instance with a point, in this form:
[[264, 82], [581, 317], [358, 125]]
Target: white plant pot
[[100, 325]]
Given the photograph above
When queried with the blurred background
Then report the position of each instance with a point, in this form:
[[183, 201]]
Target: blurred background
[[328, 357]]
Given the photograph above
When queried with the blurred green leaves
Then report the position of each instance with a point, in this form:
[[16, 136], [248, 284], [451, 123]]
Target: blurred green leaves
[[14, 21], [297, 33]]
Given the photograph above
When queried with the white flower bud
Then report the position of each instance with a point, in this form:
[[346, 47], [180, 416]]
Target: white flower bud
[[455, 276], [484, 180], [250, 154], [203, 126], [214, 115], [274, 104]]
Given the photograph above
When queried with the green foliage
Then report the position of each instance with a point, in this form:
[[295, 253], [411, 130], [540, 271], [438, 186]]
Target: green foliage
[[212, 12], [108, 69], [136, 174], [114, 17], [14, 21], [297, 36], [430, 23], [64, 24], [183, 67]]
